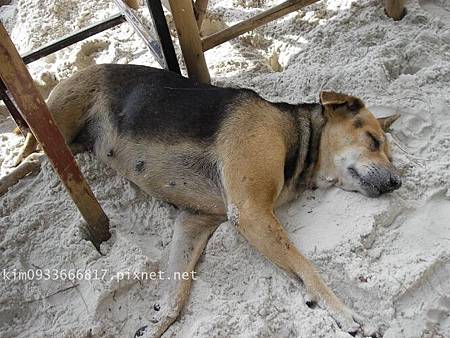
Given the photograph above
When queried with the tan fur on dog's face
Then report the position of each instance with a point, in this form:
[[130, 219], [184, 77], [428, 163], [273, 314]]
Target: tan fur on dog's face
[[354, 151]]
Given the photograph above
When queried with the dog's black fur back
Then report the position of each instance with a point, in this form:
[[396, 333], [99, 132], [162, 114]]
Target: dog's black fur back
[[148, 104]]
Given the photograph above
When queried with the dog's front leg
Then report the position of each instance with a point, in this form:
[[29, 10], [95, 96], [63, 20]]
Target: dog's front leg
[[262, 229], [190, 236], [252, 184]]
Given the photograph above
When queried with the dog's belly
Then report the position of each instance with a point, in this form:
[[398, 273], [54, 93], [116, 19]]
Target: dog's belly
[[182, 174]]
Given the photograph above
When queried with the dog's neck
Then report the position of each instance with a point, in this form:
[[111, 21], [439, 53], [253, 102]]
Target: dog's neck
[[310, 122]]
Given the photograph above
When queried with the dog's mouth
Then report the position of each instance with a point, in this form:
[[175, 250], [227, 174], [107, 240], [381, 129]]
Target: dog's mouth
[[368, 188]]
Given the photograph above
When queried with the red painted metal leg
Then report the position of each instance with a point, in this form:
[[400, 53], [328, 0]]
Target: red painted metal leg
[[24, 129]]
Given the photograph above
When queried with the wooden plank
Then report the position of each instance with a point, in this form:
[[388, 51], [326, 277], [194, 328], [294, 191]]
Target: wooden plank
[[254, 22], [35, 112], [200, 7], [395, 9], [189, 37]]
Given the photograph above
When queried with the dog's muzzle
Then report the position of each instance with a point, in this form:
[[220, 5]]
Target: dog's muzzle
[[378, 180]]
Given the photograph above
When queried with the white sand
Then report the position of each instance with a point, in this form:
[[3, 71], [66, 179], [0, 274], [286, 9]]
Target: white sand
[[388, 258]]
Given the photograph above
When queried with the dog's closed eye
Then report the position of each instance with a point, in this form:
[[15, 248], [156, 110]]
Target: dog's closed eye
[[375, 143]]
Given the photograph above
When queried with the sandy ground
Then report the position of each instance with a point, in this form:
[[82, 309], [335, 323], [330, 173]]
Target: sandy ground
[[388, 258]]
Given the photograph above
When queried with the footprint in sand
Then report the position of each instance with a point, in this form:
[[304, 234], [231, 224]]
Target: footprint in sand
[[437, 8], [424, 308], [438, 318]]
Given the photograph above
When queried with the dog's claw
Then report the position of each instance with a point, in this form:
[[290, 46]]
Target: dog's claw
[[141, 331], [147, 332], [311, 300]]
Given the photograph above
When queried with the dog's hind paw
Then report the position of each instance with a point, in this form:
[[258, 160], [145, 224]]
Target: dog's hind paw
[[159, 323], [19, 159], [140, 332], [147, 332]]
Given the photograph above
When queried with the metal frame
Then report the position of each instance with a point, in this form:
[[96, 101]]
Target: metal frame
[[160, 45], [160, 24], [73, 38]]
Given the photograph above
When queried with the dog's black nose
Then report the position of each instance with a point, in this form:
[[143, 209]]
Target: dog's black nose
[[392, 182], [396, 182]]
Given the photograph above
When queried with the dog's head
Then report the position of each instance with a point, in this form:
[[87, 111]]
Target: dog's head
[[354, 152]]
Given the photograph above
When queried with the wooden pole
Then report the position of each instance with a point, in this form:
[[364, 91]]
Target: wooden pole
[[200, 7], [189, 37], [252, 23], [395, 9], [132, 3], [35, 112]]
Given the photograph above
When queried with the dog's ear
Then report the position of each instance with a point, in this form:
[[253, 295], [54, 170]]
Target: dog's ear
[[386, 122], [332, 100]]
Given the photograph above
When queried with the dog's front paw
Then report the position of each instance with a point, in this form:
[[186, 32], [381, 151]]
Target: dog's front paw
[[348, 321], [345, 318], [354, 324], [318, 294]]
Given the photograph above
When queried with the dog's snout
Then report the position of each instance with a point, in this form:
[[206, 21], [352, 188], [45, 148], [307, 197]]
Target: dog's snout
[[379, 179]]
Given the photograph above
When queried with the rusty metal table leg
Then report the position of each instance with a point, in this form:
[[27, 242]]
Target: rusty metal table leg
[[395, 9], [21, 123], [20, 85]]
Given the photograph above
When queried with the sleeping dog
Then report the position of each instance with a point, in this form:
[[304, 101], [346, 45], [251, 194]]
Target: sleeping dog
[[224, 154]]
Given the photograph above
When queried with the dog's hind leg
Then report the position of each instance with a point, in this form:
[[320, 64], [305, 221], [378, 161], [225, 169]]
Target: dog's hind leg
[[29, 165], [27, 148], [190, 236]]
